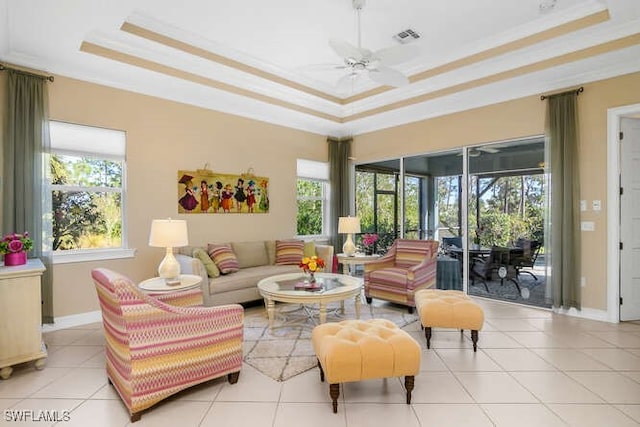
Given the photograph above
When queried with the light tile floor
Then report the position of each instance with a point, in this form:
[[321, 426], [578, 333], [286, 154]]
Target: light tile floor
[[532, 368]]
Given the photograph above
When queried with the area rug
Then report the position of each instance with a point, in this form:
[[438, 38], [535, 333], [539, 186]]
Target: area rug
[[286, 351]]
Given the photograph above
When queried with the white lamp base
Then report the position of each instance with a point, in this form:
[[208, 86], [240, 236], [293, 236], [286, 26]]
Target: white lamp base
[[349, 248], [169, 268]]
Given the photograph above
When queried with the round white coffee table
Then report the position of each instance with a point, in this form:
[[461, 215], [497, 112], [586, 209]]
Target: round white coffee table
[[336, 287]]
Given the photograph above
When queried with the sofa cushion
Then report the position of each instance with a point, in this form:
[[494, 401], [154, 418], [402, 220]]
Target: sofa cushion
[[309, 249], [223, 256], [250, 254], [209, 265], [289, 252], [247, 277]]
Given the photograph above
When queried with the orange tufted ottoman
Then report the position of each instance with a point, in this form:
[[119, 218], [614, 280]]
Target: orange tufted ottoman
[[354, 350], [448, 309]]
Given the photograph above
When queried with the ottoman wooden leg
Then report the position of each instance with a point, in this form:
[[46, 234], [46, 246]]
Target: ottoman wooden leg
[[427, 335], [321, 372], [368, 299], [474, 338], [334, 392], [408, 384]]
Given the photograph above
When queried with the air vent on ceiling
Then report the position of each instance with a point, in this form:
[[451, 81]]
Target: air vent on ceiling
[[547, 5], [407, 36]]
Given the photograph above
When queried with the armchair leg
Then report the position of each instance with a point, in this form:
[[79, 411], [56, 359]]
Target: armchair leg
[[233, 377], [368, 299], [136, 417], [321, 372], [410, 310]]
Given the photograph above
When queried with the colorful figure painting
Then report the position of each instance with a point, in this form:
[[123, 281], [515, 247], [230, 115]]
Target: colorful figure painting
[[204, 191]]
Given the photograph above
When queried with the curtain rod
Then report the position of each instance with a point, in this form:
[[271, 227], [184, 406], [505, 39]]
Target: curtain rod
[[577, 91], [4, 67]]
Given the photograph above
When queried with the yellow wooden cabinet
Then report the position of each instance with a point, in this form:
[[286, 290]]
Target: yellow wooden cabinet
[[21, 316]]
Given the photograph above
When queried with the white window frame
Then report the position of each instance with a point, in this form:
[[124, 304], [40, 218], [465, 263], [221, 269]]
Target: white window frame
[[98, 143], [310, 170]]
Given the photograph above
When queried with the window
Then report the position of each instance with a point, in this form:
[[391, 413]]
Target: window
[[312, 191], [86, 172]]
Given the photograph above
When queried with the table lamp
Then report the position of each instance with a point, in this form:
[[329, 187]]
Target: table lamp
[[349, 225], [168, 233]]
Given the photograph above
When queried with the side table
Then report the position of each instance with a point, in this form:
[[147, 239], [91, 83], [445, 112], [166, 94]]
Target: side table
[[187, 293], [21, 316], [357, 259]]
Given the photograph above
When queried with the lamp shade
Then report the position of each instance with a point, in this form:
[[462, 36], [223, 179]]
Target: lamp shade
[[168, 233], [348, 225]]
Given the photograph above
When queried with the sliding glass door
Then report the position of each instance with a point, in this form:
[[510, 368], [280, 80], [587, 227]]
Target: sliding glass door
[[506, 213], [492, 216]]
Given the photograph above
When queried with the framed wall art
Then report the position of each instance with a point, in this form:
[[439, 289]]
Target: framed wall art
[[207, 192]]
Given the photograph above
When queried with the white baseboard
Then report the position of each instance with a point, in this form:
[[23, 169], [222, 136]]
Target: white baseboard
[[585, 313], [65, 322]]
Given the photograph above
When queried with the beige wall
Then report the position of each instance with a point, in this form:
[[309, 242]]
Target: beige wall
[[521, 118], [162, 137]]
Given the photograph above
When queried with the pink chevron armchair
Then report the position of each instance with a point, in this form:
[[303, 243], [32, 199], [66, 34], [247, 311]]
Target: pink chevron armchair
[[154, 350], [408, 266]]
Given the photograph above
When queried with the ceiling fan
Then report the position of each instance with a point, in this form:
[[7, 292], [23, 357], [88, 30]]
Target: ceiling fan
[[376, 64], [477, 151]]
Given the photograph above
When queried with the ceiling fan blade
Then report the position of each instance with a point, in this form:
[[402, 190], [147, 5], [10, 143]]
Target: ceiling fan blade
[[388, 76], [490, 150], [322, 67], [396, 54], [347, 50]]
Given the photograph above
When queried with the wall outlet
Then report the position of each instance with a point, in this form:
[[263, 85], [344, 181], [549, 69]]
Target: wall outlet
[[583, 205], [587, 226], [583, 282]]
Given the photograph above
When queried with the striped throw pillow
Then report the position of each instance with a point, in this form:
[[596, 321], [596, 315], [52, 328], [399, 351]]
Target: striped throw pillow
[[289, 252], [224, 258]]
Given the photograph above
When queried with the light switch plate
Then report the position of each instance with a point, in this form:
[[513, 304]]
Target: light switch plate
[[583, 205], [587, 226], [597, 205]]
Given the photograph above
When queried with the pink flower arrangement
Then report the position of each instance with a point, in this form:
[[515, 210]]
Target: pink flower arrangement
[[12, 243], [369, 239]]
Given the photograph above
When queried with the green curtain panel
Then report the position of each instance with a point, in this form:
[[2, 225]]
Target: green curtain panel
[[339, 153], [562, 134], [25, 142]]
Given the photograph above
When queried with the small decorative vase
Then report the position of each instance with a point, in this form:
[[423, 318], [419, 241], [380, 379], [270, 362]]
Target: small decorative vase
[[368, 251], [15, 258], [312, 277]]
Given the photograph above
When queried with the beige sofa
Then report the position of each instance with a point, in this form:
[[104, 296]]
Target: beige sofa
[[256, 260]]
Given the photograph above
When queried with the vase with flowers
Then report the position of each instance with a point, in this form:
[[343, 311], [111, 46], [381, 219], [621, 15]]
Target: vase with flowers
[[14, 247], [311, 265], [368, 242]]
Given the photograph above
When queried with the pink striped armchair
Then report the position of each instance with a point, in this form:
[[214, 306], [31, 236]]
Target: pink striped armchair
[[154, 350], [408, 266]]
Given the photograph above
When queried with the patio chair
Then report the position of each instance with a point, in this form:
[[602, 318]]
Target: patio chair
[[530, 251], [451, 242], [500, 262], [408, 266], [154, 350]]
